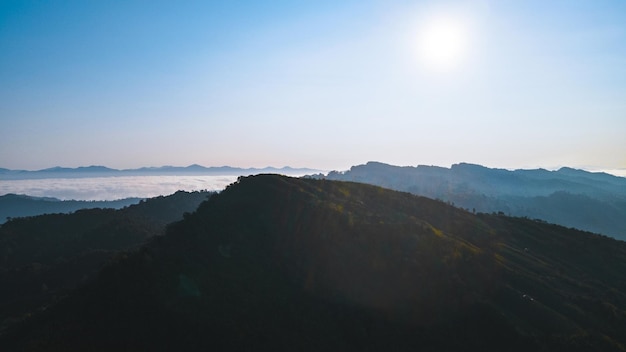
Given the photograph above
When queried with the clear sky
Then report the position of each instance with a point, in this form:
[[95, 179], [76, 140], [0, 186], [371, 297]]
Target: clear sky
[[320, 84]]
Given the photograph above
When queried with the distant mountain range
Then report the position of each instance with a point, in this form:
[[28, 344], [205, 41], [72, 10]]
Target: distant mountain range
[[585, 200], [103, 171]]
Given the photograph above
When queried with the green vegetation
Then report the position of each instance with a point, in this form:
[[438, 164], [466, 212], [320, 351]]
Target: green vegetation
[[276, 263], [43, 257], [574, 198], [14, 205]]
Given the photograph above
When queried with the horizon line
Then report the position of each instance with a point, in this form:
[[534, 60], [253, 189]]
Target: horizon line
[[618, 172]]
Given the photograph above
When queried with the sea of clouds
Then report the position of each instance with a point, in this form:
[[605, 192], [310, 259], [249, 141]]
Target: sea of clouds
[[112, 188]]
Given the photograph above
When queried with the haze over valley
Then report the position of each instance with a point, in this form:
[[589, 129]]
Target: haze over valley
[[359, 175]]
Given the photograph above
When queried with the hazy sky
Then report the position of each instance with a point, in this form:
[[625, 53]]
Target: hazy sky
[[321, 84]]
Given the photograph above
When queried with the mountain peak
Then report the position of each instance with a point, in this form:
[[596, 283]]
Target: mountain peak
[[302, 264]]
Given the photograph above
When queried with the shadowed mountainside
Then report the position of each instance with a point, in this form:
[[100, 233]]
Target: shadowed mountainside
[[18, 205], [45, 256], [588, 201], [276, 263]]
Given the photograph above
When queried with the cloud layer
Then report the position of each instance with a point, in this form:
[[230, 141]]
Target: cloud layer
[[111, 188]]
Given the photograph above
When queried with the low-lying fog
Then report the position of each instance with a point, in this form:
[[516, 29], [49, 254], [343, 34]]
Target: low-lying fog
[[112, 188]]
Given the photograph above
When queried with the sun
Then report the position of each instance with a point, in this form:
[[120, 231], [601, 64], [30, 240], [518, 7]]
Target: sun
[[442, 44]]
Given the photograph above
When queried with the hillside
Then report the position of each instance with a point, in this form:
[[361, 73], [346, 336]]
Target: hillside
[[276, 263], [588, 201], [44, 257], [18, 205]]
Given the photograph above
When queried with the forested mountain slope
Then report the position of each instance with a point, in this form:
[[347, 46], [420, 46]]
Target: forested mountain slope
[[588, 201], [19, 205], [45, 256], [276, 263]]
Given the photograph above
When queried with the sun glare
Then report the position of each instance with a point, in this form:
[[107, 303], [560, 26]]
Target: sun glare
[[442, 44]]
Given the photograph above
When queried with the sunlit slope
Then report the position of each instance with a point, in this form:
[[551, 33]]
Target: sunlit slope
[[276, 263], [584, 200]]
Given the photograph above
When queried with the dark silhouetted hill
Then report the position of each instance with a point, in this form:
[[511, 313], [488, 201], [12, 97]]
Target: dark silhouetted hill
[[281, 264], [17, 205], [45, 256], [588, 201]]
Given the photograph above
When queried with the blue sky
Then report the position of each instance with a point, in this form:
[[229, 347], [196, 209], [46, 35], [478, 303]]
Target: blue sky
[[321, 84]]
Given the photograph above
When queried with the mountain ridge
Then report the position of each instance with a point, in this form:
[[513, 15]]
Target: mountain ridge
[[44, 257], [21, 205], [533, 193], [103, 171], [283, 264]]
